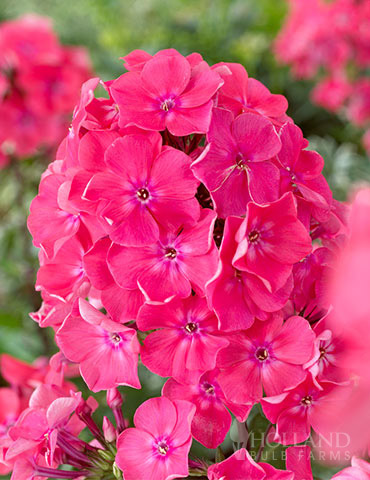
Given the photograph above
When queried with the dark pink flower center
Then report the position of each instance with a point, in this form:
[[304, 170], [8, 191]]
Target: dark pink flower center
[[115, 337], [307, 400], [322, 352], [253, 236], [208, 388], [191, 327], [293, 177], [171, 253], [142, 194], [262, 354], [167, 104], [238, 274], [162, 448], [240, 161]]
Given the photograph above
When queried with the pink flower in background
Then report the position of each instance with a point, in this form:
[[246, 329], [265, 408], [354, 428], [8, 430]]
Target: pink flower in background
[[329, 42], [359, 103], [143, 190], [366, 141], [349, 320], [359, 470], [159, 445], [42, 81], [106, 351], [268, 357], [24, 377], [167, 93], [187, 342], [30, 34], [234, 167], [349, 289], [212, 420], [332, 92], [307, 43]]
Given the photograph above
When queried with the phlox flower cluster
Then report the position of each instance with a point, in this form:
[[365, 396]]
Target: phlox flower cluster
[[330, 42], [186, 225], [40, 82]]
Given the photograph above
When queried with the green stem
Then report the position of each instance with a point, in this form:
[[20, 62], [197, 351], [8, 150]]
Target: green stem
[[263, 443], [243, 434]]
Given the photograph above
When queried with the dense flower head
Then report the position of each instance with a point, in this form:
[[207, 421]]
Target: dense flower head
[[40, 81], [329, 41], [185, 225]]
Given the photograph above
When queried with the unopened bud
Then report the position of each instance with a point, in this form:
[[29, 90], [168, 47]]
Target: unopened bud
[[107, 455], [83, 409], [109, 431], [114, 398], [117, 472]]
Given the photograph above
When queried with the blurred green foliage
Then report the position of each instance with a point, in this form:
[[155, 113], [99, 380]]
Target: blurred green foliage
[[221, 30]]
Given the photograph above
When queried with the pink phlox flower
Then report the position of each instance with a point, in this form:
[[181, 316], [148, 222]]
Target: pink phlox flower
[[147, 190], [106, 350], [187, 342], [211, 421], [271, 240], [298, 461], [332, 92], [179, 262], [234, 167], [166, 93], [22, 376], [300, 172], [121, 304], [241, 94], [237, 296], [328, 363], [297, 410], [64, 273], [36, 429], [237, 467], [159, 445], [49, 224], [311, 276], [29, 40], [10, 409], [135, 60], [359, 470], [267, 357], [53, 310]]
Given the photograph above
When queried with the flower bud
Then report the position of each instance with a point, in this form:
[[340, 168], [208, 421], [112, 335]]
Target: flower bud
[[114, 398], [117, 472], [109, 431]]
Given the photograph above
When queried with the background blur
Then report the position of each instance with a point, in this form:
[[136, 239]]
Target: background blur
[[221, 30]]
